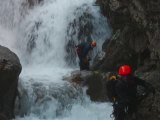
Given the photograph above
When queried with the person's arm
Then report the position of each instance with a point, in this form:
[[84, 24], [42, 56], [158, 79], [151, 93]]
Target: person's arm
[[148, 87]]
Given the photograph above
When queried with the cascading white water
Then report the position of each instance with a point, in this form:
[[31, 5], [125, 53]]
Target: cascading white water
[[39, 38]]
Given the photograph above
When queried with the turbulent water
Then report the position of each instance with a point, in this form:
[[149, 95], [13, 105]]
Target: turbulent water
[[40, 36]]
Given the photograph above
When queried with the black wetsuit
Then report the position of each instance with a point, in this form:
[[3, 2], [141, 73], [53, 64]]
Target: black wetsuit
[[126, 99]]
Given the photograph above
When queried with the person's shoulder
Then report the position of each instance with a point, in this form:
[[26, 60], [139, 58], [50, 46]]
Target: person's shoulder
[[135, 77], [138, 80]]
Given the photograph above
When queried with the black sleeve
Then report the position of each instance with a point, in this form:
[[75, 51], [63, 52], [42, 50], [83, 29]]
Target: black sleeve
[[140, 81], [148, 87]]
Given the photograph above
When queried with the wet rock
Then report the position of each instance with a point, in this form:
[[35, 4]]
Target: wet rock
[[10, 69], [96, 87], [98, 60], [94, 81], [149, 108], [136, 31], [34, 2], [74, 77]]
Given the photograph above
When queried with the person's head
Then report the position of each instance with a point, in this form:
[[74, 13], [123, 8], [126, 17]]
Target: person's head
[[125, 70], [93, 43]]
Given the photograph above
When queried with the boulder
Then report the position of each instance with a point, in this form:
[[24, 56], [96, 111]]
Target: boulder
[[94, 81], [10, 69]]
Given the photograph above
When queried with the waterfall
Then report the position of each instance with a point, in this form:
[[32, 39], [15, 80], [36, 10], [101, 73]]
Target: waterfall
[[41, 37]]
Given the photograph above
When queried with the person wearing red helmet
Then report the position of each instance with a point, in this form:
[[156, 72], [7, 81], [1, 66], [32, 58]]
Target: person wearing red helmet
[[126, 98], [82, 51]]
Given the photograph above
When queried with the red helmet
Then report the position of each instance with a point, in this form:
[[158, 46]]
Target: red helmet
[[124, 70]]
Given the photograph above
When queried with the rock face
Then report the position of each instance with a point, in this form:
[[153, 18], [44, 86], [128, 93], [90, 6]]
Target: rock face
[[10, 69], [135, 41], [136, 33]]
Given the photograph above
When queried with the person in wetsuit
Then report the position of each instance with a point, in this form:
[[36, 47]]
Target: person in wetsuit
[[82, 51], [126, 99]]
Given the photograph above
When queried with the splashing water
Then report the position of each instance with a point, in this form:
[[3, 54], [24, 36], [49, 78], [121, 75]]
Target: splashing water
[[40, 36]]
